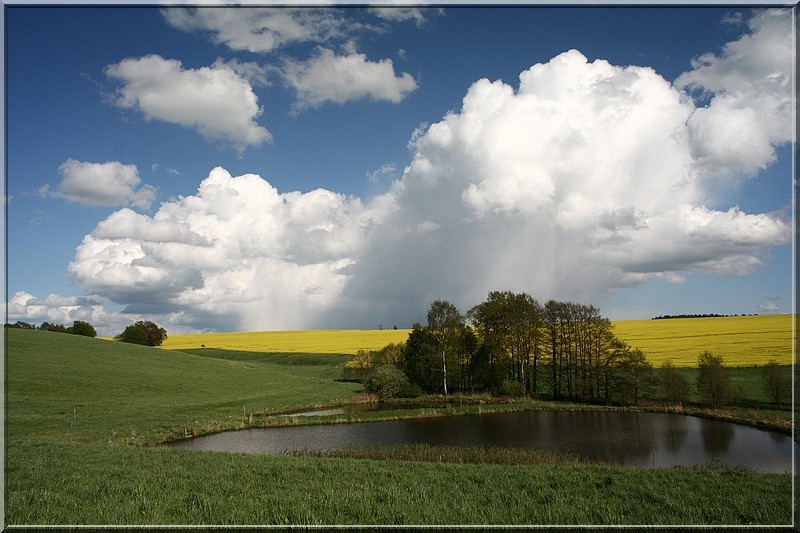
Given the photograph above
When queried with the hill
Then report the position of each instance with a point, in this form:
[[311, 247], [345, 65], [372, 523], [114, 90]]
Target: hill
[[83, 389]]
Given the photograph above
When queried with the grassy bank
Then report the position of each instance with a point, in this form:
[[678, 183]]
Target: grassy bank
[[53, 483], [77, 408]]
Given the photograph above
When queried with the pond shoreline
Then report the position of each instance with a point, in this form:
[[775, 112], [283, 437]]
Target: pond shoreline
[[457, 406]]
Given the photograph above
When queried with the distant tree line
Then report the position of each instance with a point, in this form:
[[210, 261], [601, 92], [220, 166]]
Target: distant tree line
[[78, 327], [706, 315], [142, 332], [510, 344]]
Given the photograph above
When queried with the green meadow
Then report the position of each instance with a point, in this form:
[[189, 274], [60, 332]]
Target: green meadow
[[82, 416]]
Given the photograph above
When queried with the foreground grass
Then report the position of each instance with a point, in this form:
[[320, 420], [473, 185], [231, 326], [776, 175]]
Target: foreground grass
[[454, 454], [76, 406], [54, 483]]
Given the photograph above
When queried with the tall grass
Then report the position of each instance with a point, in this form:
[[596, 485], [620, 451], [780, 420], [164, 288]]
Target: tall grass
[[57, 483]]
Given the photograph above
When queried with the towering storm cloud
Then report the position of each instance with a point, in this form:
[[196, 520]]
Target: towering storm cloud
[[584, 177]]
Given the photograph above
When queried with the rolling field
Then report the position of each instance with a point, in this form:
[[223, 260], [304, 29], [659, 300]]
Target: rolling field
[[80, 413], [742, 341]]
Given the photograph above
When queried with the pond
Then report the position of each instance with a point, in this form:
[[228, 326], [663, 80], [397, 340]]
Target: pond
[[637, 439]]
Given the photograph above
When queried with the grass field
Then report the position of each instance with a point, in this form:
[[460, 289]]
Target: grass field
[[742, 341], [78, 411]]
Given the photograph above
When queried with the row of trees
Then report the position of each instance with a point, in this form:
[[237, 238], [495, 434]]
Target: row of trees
[[511, 344], [142, 332], [78, 327]]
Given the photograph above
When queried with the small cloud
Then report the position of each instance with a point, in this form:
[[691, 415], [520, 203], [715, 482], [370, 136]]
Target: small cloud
[[218, 101], [402, 14], [105, 184], [769, 307], [173, 172], [328, 77]]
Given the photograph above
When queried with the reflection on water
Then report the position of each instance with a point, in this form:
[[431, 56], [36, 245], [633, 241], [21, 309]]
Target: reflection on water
[[716, 437], [640, 439]]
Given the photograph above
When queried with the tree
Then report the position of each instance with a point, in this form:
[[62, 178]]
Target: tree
[[713, 381], [673, 383], [445, 323], [80, 327], [143, 332], [420, 362], [635, 375], [777, 385], [19, 324], [56, 328], [509, 324]]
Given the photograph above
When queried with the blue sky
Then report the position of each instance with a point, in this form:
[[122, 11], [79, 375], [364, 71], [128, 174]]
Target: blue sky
[[235, 169]]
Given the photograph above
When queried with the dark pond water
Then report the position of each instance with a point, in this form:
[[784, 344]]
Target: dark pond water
[[640, 439]]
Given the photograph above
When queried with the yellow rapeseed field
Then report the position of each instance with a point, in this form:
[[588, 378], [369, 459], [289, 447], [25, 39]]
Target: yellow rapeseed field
[[742, 341], [305, 341]]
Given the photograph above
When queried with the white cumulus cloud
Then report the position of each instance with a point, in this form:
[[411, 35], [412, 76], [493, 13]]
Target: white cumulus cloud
[[328, 77], [107, 184], [750, 84], [217, 101], [237, 251]]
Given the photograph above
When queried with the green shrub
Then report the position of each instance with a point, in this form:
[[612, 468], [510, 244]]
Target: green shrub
[[386, 381]]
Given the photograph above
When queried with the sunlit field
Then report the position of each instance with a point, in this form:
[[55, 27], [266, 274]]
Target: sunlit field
[[742, 341], [308, 341]]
